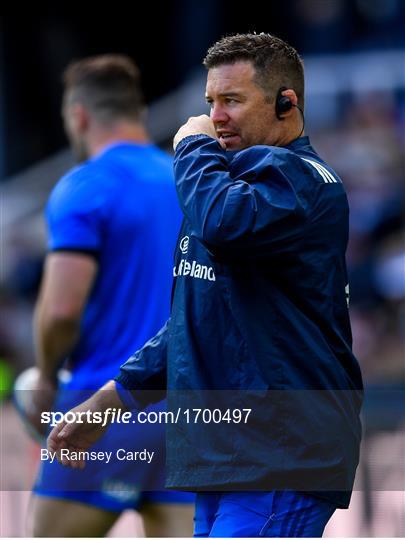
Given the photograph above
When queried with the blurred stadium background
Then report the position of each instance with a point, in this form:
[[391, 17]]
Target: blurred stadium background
[[354, 53]]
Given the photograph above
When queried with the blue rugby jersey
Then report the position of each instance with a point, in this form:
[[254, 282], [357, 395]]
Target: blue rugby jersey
[[259, 305], [120, 207]]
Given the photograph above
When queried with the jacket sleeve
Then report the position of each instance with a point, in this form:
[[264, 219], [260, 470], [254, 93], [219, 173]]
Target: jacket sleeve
[[145, 373], [246, 202]]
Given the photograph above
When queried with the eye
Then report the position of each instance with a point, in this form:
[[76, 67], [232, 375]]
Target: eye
[[209, 103]]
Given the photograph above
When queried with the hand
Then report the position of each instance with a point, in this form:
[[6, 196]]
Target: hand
[[196, 125], [77, 436]]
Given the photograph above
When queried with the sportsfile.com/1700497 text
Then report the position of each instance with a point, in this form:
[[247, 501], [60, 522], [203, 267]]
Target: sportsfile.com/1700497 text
[[119, 416]]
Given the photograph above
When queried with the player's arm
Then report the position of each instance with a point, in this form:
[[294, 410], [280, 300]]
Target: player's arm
[[81, 435], [142, 380], [231, 204], [67, 282]]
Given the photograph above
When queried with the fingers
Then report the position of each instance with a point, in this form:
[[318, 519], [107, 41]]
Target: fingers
[[54, 441], [222, 143], [66, 453], [71, 456], [66, 430], [195, 125]]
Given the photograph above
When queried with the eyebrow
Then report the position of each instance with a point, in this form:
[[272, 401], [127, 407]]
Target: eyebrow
[[226, 94]]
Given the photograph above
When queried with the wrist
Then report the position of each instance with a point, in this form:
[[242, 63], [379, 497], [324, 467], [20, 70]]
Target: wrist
[[188, 138], [108, 397]]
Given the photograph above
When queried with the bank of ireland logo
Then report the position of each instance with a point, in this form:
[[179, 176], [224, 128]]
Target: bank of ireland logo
[[184, 244]]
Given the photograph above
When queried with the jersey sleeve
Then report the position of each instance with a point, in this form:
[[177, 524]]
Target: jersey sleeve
[[76, 210], [145, 372], [247, 202]]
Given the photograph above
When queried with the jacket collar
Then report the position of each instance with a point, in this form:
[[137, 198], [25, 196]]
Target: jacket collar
[[302, 143]]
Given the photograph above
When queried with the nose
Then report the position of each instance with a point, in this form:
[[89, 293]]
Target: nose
[[217, 114]]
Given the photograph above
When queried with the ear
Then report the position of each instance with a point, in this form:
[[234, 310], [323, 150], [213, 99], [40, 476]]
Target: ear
[[79, 117], [290, 93]]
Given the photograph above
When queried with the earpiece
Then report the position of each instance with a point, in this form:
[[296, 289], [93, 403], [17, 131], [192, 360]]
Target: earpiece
[[283, 103]]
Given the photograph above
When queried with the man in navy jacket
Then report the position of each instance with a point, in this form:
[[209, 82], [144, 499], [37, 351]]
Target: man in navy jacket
[[259, 323]]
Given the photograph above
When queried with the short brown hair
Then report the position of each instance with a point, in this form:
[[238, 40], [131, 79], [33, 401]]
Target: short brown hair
[[109, 85], [276, 63]]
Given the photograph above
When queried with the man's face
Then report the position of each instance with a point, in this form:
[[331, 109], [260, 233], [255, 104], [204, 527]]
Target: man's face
[[72, 126], [241, 115]]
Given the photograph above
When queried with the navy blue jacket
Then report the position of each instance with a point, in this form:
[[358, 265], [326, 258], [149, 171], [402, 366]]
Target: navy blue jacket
[[259, 319]]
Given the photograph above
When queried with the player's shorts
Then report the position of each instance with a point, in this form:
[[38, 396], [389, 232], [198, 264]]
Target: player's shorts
[[113, 483], [268, 514]]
